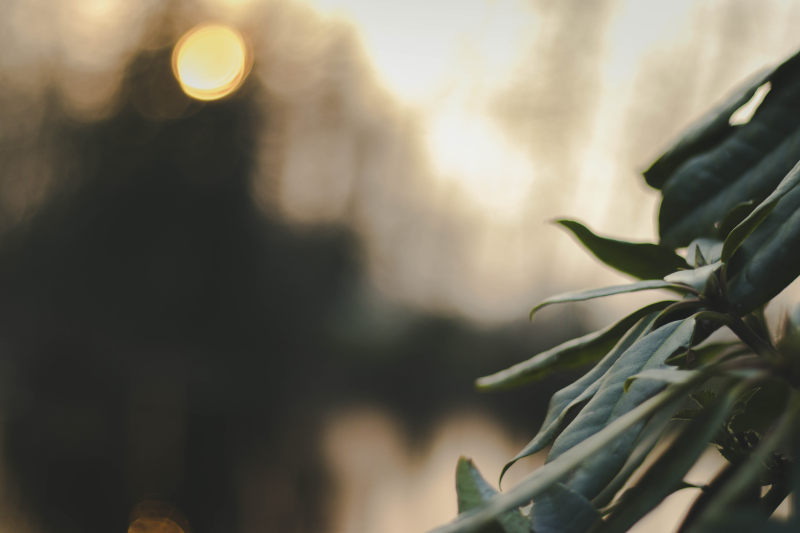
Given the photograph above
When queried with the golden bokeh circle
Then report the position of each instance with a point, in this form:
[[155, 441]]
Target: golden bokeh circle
[[211, 61]]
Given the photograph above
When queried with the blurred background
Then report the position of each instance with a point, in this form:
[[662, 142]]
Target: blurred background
[[247, 282]]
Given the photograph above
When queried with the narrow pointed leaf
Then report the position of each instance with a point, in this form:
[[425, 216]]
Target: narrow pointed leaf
[[568, 355], [590, 294], [640, 260], [545, 477], [678, 311], [749, 473], [709, 491], [759, 214], [473, 491], [568, 400], [738, 213], [746, 163], [704, 133], [664, 375], [666, 474], [561, 510], [610, 402], [652, 432], [703, 251], [696, 277], [714, 127], [744, 520], [769, 258], [698, 357]]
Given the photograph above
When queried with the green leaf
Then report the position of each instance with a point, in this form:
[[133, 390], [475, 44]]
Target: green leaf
[[703, 251], [653, 430], [551, 473], [473, 491], [744, 163], [568, 400], [705, 133], [678, 311], [769, 258], [663, 375], [742, 230], [590, 294], [699, 357], [750, 472], [744, 520], [709, 491], [696, 277], [640, 260], [795, 480], [738, 213], [610, 402], [758, 411], [568, 355], [665, 475], [561, 510], [789, 335]]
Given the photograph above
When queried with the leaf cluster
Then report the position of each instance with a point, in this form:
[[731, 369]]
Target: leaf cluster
[[658, 393]]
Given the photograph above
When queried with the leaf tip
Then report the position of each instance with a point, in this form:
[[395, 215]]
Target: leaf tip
[[503, 473], [628, 383], [484, 384]]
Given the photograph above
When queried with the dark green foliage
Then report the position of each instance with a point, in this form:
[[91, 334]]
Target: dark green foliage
[[473, 490], [640, 260], [731, 196], [571, 354]]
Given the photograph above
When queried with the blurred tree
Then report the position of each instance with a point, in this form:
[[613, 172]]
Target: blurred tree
[[163, 336]]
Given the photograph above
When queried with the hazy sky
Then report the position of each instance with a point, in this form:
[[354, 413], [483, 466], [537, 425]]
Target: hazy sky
[[447, 134]]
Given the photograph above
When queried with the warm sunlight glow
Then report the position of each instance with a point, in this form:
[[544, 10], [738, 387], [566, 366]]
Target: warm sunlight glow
[[421, 49], [469, 151], [211, 61]]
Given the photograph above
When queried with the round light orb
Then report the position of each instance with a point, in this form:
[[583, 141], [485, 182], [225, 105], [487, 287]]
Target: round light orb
[[211, 61]]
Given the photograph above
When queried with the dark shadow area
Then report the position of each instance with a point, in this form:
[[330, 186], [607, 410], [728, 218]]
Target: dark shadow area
[[160, 333]]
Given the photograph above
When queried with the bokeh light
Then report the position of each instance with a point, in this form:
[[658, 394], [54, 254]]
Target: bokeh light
[[153, 516], [154, 525], [211, 61]]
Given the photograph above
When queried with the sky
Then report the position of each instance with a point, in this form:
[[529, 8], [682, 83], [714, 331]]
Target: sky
[[447, 135]]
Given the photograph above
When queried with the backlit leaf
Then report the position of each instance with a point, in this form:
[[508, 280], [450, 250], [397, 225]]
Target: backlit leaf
[[666, 474], [610, 402], [568, 355], [551, 473], [735, 165], [570, 399], [579, 296]]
